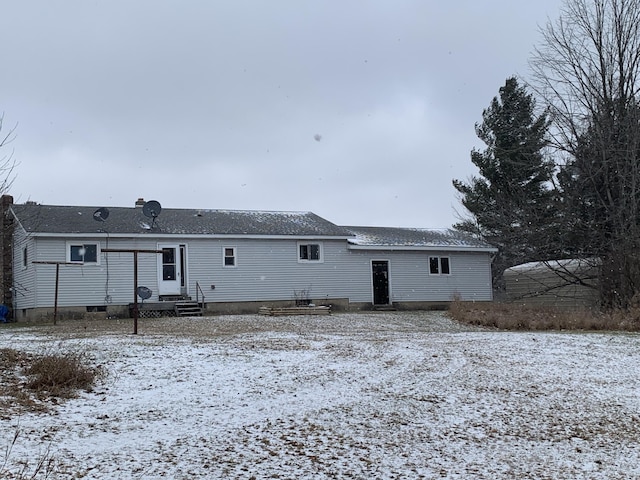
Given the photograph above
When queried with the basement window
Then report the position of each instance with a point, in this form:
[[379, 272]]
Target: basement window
[[98, 308], [439, 266], [229, 257], [309, 252], [86, 253]]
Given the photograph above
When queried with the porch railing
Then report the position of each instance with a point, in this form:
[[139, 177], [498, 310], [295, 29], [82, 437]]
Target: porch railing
[[199, 292]]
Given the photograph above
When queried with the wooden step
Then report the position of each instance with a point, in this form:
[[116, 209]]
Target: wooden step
[[188, 309], [384, 308]]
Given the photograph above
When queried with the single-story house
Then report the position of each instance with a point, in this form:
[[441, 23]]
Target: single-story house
[[82, 259]]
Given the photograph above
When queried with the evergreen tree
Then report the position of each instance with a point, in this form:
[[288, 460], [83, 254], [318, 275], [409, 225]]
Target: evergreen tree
[[511, 203]]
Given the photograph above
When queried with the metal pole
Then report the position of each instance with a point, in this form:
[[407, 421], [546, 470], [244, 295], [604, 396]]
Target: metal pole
[[55, 302], [135, 292], [135, 278], [57, 264]]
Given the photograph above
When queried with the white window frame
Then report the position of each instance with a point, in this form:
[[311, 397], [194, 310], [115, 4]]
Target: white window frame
[[25, 257], [439, 260], [224, 257], [308, 260], [70, 245]]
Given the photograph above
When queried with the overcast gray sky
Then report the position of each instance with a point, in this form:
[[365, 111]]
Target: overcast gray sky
[[360, 111]]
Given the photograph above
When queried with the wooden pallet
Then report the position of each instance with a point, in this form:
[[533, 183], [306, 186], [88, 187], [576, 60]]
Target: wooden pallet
[[280, 311]]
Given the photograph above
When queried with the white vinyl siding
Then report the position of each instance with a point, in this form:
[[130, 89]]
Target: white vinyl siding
[[24, 280], [270, 270], [410, 280], [111, 281]]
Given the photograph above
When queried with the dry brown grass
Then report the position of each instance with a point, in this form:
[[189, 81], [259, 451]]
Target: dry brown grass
[[61, 374], [33, 381], [513, 316]]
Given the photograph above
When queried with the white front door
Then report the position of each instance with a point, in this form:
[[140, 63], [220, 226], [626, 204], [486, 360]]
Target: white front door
[[170, 279]]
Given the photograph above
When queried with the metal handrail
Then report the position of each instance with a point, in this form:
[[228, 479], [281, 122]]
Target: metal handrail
[[199, 289]]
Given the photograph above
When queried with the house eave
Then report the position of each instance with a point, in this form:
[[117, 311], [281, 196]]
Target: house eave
[[184, 236], [424, 248]]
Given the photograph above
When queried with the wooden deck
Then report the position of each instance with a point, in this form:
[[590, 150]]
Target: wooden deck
[[168, 309]]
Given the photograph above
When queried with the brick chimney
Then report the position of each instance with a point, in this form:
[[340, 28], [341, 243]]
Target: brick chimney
[[6, 252], [140, 202]]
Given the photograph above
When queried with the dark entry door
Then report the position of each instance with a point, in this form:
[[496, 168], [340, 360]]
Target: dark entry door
[[380, 269]]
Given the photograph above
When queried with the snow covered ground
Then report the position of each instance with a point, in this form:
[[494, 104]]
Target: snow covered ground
[[359, 396]]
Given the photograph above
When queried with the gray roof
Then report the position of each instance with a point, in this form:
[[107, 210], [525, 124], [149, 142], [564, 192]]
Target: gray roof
[[416, 238], [54, 219]]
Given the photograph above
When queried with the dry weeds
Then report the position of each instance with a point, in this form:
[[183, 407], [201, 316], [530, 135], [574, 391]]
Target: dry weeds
[[513, 316], [61, 374], [30, 382]]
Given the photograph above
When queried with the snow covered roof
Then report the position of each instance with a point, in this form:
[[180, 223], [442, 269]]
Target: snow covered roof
[[572, 264], [57, 220], [381, 238]]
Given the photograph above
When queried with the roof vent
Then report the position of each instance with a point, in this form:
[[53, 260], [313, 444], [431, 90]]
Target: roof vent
[[140, 202]]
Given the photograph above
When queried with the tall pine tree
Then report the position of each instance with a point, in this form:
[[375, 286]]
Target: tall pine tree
[[510, 204]]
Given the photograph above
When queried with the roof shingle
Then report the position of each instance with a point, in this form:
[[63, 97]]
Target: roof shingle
[[54, 219], [413, 237]]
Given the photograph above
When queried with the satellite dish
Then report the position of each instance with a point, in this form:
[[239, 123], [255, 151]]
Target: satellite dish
[[151, 209], [144, 292], [101, 214]]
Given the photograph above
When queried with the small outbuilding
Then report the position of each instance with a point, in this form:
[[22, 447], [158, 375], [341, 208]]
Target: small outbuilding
[[554, 283]]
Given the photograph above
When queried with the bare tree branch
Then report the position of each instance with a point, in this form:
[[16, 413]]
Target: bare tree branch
[[7, 161], [587, 70]]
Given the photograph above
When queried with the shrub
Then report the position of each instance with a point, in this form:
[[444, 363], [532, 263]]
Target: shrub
[[61, 374], [27, 380]]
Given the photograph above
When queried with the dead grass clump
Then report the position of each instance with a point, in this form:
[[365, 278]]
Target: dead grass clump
[[12, 392], [513, 316], [32, 382], [10, 357], [61, 374]]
